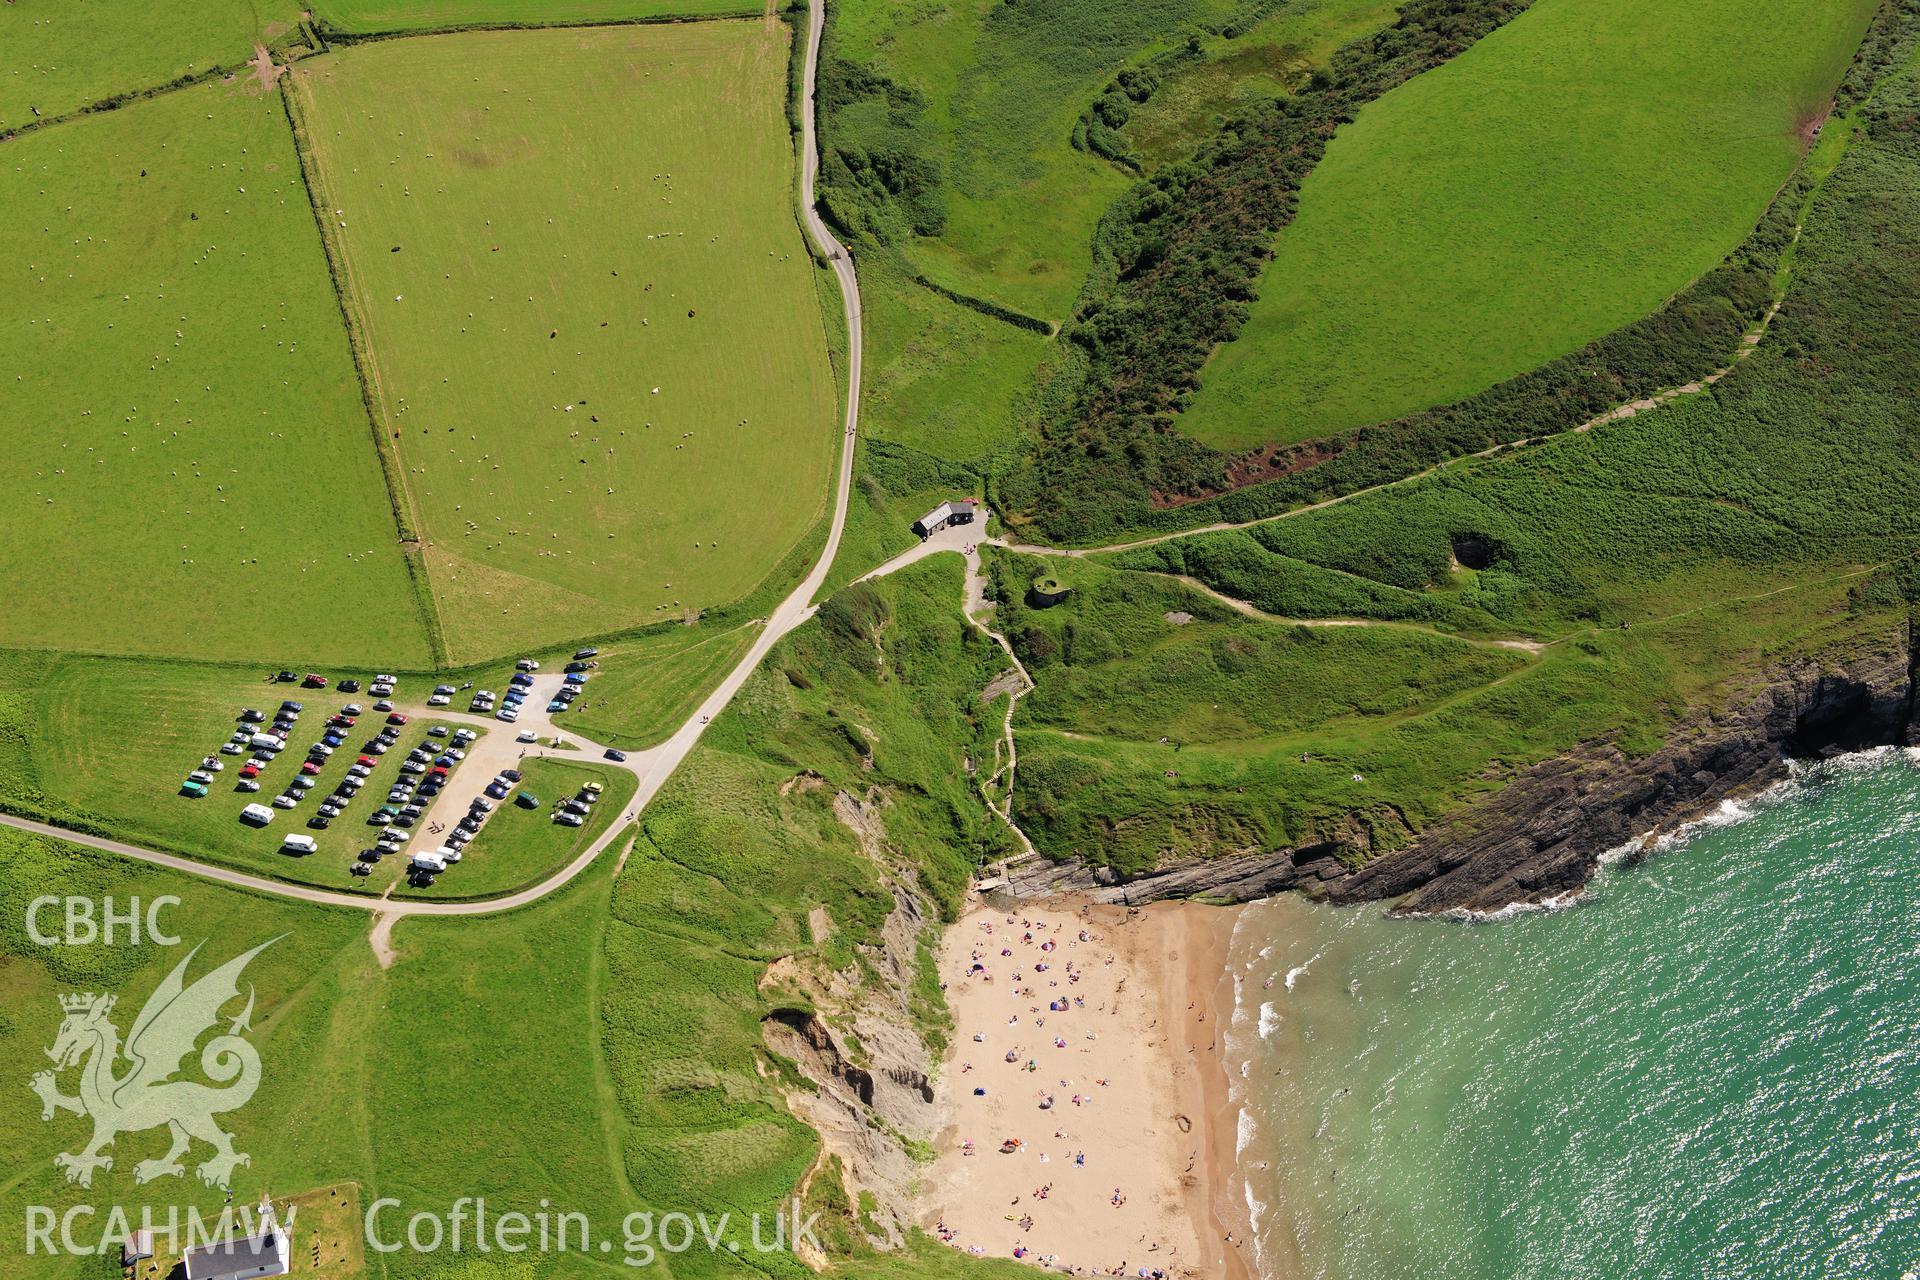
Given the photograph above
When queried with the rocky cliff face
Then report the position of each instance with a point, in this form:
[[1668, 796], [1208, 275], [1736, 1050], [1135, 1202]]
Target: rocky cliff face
[[1542, 833]]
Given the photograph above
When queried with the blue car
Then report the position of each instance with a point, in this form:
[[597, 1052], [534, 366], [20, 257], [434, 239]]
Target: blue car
[[577, 678], [556, 706]]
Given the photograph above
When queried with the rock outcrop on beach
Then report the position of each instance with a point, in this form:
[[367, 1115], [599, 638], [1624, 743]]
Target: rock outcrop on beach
[[1542, 834]]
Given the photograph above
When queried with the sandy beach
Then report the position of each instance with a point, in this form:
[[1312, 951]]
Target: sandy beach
[[1086, 1123]]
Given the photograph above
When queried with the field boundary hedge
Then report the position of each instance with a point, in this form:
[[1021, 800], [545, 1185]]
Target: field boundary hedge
[[992, 310], [398, 505], [346, 36], [1117, 463]]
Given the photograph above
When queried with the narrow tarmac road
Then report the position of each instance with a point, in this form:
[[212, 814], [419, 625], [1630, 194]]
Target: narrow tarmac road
[[655, 765]]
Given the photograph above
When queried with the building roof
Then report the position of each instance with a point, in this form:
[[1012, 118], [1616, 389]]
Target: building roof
[[947, 511], [264, 1253]]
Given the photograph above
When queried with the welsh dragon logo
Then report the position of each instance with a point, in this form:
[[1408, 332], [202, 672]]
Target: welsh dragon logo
[[145, 1095]]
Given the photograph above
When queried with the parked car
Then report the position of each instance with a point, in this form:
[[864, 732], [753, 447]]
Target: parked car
[[581, 655], [383, 705], [439, 700], [313, 680], [230, 748], [480, 805], [413, 766], [300, 784], [360, 869], [511, 775], [464, 735], [429, 789], [567, 819], [284, 801], [520, 679], [574, 807], [319, 822], [527, 735], [193, 790], [506, 713], [250, 716], [309, 767], [370, 855], [298, 845], [578, 677], [498, 790], [444, 688], [555, 707], [257, 814], [246, 784], [379, 817], [396, 717], [527, 664], [527, 800], [322, 749], [572, 667], [286, 677], [251, 769], [349, 686], [290, 705], [593, 788], [613, 754]]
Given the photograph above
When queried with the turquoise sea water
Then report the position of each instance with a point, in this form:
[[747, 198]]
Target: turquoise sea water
[[1707, 1067]]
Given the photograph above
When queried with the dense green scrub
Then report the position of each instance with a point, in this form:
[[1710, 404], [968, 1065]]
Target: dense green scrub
[[1666, 560], [1197, 87], [970, 150], [189, 468], [58, 57], [1557, 181], [876, 702], [624, 1013], [1110, 454], [1176, 261]]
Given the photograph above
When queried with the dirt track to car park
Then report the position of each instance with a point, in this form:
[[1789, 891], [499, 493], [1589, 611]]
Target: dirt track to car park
[[654, 765]]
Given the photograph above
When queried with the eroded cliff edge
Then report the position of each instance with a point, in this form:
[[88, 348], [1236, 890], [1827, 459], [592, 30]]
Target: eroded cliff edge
[[1542, 833]]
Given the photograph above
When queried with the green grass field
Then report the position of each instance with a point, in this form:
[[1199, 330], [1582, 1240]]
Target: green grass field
[[1556, 181], [190, 470], [591, 315], [1667, 561], [939, 377], [414, 15], [104, 744], [59, 57], [997, 91], [430, 1081]]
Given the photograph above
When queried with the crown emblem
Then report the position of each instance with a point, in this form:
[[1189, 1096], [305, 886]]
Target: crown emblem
[[82, 1002]]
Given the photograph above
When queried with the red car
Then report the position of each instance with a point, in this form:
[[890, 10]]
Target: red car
[[249, 770], [309, 768], [397, 717], [341, 721], [314, 681], [368, 761]]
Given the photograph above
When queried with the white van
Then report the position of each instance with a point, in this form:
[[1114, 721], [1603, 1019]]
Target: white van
[[298, 844], [427, 862], [268, 741], [258, 814]]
